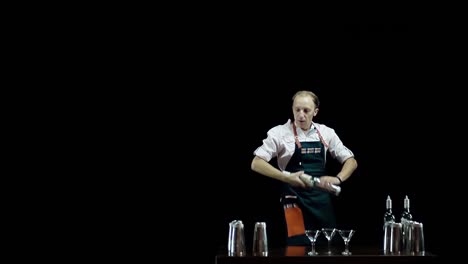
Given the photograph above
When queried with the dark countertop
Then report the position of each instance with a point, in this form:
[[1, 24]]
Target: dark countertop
[[298, 254]]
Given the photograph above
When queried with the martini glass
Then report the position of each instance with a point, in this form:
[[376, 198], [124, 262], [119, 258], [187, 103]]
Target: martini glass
[[346, 234], [312, 235], [329, 233]]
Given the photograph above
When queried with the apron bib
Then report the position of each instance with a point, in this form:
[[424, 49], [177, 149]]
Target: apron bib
[[314, 206]]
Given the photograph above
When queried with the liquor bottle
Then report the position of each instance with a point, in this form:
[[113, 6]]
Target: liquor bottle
[[388, 216], [406, 215], [294, 217], [406, 220]]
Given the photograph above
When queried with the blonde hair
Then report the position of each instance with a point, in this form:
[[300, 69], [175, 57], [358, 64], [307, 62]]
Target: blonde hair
[[307, 93]]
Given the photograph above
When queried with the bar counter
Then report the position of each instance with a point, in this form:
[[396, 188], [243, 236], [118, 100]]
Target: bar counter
[[298, 254]]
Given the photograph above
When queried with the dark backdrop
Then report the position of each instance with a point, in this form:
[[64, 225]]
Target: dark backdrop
[[383, 88], [388, 90]]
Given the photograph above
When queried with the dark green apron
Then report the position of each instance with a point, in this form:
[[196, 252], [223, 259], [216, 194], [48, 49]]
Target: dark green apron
[[316, 205]]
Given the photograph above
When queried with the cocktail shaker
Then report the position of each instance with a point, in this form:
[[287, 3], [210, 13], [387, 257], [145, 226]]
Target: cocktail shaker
[[392, 238], [260, 240], [415, 238], [236, 240], [313, 182]]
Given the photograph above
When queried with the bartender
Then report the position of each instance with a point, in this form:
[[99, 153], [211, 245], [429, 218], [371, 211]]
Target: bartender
[[300, 147]]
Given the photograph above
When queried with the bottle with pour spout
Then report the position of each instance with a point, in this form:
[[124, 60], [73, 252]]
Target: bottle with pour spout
[[406, 215], [406, 221], [388, 216]]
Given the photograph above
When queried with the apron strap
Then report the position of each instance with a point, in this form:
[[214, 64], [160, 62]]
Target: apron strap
[[296, 138]]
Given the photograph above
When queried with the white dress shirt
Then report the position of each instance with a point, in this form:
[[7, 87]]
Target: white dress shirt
[[280, 143]]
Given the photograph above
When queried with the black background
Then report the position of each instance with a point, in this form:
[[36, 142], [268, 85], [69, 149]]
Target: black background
[[388, 89], [383, 88]]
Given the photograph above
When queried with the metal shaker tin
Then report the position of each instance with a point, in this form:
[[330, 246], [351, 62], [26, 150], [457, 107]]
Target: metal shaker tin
[[415, 238], [236, 240], [392, 238], [260, 240]]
